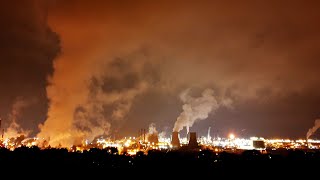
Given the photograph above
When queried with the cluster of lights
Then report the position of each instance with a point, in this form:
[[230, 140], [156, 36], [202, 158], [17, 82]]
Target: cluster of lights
[[132, 145]]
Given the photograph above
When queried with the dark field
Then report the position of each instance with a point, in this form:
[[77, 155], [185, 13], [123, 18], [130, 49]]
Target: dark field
[[184, 163]]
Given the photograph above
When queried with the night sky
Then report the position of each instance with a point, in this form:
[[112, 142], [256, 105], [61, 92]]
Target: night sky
[[87, 68]]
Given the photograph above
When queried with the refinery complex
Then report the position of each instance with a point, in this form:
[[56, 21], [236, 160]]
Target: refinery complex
[[152, 151], [152, 140], [147, 142]]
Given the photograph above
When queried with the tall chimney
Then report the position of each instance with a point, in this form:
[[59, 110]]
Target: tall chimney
[[193, 140], [175, 142]]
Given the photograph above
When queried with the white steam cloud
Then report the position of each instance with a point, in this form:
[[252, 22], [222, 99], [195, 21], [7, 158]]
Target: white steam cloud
[[197, 108], [314, 128], [152, 129], [153, 133]]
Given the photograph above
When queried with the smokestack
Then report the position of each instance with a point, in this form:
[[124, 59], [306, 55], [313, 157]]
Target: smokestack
[[193, 140], [175, 142]]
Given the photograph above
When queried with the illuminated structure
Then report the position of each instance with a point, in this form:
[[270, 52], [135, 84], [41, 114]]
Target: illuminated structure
[[193, 140], [175, 142]]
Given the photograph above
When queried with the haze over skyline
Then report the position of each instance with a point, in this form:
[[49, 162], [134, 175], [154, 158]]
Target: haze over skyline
[[87, 68]]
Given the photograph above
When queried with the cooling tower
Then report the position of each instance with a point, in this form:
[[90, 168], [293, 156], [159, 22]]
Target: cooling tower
[[153, 138], [193, 140], [175, 142]]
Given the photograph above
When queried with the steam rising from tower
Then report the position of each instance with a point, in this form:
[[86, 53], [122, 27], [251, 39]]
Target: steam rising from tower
[[314, 128], [196, 109], [152, 129], [153, 134]]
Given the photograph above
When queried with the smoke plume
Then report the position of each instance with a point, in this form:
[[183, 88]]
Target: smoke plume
[[153, 133], [241, 50], [14, 129], [196, 108], [81, 105], [314, 128], [152, 129]]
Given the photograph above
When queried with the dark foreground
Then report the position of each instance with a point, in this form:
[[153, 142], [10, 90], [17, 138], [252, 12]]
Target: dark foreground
[[184, 163]]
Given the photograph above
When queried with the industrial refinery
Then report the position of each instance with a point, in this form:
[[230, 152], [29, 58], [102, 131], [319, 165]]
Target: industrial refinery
[[151, 150], [146, 142]]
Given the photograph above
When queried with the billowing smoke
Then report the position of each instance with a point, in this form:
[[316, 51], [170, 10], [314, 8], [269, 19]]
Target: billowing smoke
[[28, 47], [314, 128], [163, 135], [82, 105], [152, 129], [95, 80], [196, 108], [14, 129], [103, 66]]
